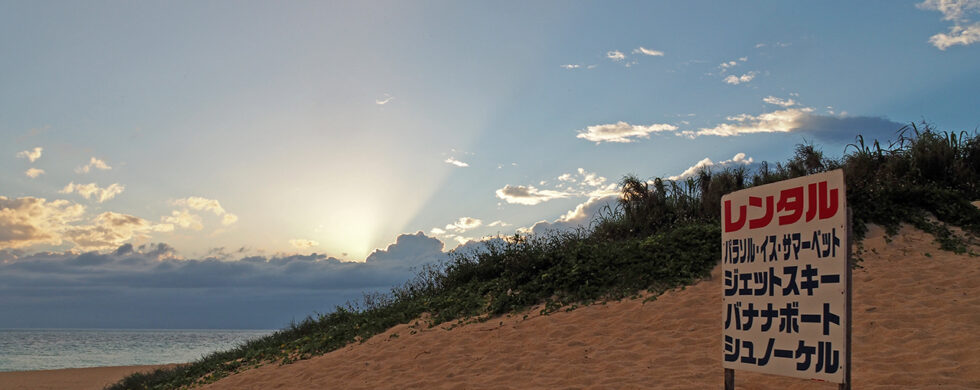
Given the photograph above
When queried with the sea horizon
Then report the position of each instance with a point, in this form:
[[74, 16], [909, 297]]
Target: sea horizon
[[30, 349]]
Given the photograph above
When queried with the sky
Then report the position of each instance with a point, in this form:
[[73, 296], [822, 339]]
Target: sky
[[242, 164]]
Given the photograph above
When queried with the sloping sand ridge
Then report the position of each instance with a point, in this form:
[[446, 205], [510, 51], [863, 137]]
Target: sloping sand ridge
[[916, 325]]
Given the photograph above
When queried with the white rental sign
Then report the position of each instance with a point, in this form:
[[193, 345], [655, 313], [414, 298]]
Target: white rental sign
[[785, 268]]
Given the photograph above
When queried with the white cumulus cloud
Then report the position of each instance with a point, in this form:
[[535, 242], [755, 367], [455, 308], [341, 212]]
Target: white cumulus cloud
[[33, 221], [33, 173], [615, 55], [205, 204], [109, 230], [736, 80], [31, 155], [840, 128], [725, 66], [456, 162], [781, 121], [93, 191], [528, 195], [93, 163], [963, 31], [958, 35], [229, 219], [589, 178], [30, 221], [649, 52], [580, 184], [706, 163], [621, 132], [184, 219], [384, 100], [580, 216], [779, 102], [463, 224]]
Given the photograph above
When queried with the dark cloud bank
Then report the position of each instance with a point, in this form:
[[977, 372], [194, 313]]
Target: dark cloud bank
[[148, 287], [845, 129]]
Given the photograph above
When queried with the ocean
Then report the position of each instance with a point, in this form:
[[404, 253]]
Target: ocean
[[46, 349]]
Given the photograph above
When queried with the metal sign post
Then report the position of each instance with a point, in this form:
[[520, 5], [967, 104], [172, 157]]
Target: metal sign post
[[847, 365]]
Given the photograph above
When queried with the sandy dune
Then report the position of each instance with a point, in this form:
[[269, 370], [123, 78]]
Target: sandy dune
[[94, 378], [916, 325]]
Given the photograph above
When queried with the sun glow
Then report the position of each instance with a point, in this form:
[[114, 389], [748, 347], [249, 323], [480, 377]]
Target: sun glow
[[350, 228]]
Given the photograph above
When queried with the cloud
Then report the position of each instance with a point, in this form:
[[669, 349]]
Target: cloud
[[33, 173], [736, 80], [649, 52], [952, 10], [184, 219], [498, 224], [205, 204], [725, 66], [409, 249], [456, 162], [782, 121], [461, 240], [621, 132], [199, 203], [585, 184], [300, 243], [229, 219], [151, 285], [91, 190], [580, 184], [779, 102], [581, 216], [962, 32], [33, 221], [93, 163], [571, 66], [845, 128], [706, 163], [463, 224], [528, 195], [615, 55], [110, 230], [777, 44], [387, 98], [26, 222], [31, 155], [590, 178], [958, 35], [802, 120]]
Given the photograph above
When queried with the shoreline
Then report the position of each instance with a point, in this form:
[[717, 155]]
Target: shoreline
[[95, 378]]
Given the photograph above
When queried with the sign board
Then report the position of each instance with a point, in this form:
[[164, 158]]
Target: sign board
[[785, 269]]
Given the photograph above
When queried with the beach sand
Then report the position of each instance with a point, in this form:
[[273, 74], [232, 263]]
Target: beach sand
[[916, 326], [94, 378]]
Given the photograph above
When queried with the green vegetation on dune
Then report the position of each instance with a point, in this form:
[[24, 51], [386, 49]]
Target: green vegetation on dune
[[662, 235]]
